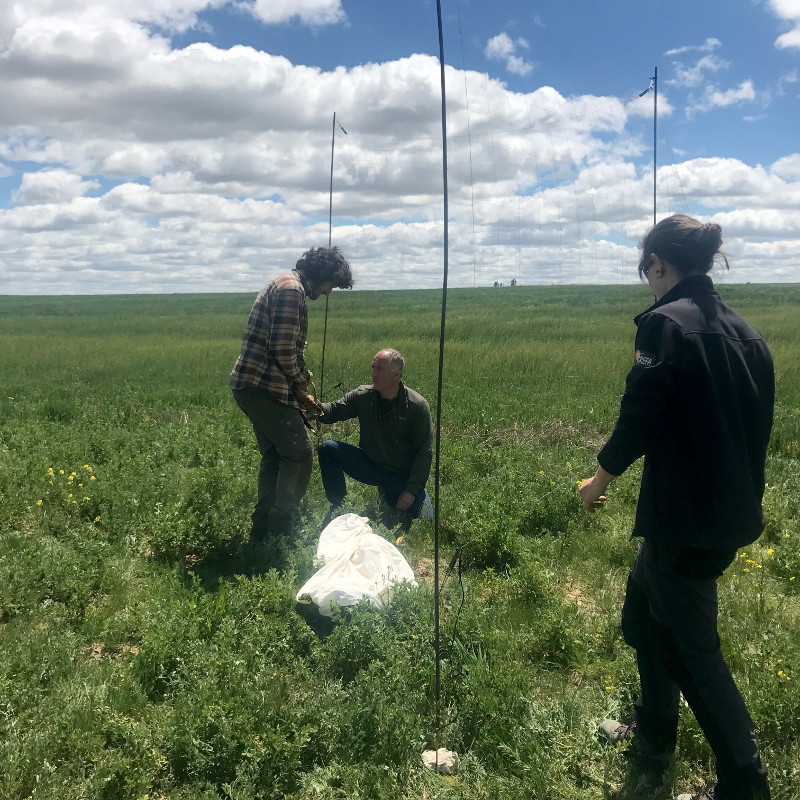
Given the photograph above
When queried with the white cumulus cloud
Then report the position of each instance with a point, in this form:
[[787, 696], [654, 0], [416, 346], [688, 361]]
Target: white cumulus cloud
[[503, 48], [714, 97], [788, 10], [51, 186], [135, 165], [312, 12], [708, 46], [694, 74]]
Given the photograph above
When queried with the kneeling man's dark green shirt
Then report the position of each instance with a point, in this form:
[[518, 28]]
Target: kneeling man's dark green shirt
[[397, 434]]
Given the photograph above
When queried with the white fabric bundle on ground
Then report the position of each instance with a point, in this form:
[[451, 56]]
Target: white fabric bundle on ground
[[357, 563]]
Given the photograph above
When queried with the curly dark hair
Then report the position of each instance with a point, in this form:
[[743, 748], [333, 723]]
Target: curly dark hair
[[685, 242], [324, 264]]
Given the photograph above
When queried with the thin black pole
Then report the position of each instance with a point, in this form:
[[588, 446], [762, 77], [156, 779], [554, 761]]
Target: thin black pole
[[330, 195], [330, 234], [655, 124], [441, 370]]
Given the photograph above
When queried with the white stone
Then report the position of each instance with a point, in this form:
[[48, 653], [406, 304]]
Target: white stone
[[442, 760]]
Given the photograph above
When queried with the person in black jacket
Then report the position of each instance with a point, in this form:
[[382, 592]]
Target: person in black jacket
[[698, 405]]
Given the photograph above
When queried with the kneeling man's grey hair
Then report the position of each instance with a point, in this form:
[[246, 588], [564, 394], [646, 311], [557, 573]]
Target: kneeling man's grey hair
[[395, 359]]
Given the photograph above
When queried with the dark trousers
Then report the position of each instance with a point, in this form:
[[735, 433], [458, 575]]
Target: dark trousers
[[286, 457], [338, 458], [670, 618]]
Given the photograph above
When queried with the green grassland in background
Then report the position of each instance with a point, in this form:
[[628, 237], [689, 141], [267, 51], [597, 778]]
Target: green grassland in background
[[147, 650]]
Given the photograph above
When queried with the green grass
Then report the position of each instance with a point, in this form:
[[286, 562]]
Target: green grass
[[148, 651]]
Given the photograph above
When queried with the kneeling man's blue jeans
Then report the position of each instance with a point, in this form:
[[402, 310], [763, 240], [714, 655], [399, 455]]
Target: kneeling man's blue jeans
[[338, 458]]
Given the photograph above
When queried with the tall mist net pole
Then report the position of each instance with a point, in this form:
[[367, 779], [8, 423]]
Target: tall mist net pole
[[441, 369], [654, 87], [655, 123], [330, 233]]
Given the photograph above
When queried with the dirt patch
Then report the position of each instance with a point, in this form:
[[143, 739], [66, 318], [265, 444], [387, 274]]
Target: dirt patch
[[577, 594], [424, 569], [98, 651]]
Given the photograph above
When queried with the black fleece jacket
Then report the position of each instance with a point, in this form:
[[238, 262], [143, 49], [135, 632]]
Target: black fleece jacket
[[698, 405]]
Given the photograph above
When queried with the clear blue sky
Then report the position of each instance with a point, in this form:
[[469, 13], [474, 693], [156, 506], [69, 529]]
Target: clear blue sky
[[184, 145]]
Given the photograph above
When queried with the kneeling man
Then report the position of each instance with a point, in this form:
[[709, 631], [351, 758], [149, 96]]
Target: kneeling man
[[395, 441]]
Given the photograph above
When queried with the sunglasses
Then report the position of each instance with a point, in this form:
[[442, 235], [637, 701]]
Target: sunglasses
[[645, 264]]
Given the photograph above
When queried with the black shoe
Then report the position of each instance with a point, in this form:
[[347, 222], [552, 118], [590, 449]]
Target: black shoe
[[259, 534], [279, 522], [333, 512], [641, 754]]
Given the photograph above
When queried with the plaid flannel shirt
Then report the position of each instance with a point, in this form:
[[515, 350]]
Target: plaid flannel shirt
[[273, 344]]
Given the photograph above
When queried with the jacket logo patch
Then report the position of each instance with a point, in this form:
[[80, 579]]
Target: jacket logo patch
[[644, 359]]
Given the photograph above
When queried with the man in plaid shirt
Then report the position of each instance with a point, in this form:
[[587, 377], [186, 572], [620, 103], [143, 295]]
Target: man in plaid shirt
[[270, 376]]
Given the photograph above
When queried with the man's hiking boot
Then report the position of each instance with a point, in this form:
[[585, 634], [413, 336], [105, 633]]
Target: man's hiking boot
[[640, 752], [334, 511], [259, 534]]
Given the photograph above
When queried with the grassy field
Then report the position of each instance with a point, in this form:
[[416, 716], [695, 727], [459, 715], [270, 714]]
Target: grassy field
[[148, 651]]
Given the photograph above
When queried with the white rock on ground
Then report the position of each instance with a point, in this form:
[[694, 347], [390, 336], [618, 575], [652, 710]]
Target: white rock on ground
[[442, 760]]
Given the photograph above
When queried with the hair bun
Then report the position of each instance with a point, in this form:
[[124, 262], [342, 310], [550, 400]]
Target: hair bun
[[711, 235], [685, 242]]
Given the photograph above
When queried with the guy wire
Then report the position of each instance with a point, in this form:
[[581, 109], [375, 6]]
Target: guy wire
[[469, 140], [330, 234]]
